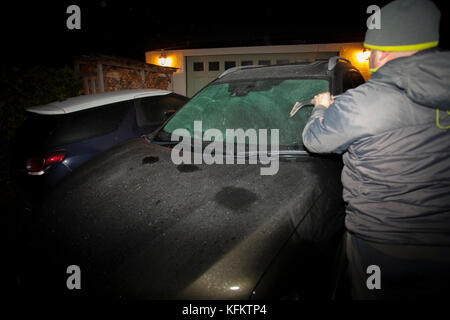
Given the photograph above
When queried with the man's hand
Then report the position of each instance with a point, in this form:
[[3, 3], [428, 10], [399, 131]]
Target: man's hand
[[323, 99]]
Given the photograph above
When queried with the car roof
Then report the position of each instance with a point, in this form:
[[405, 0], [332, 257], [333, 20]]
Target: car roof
[[297, 70], [91, 101]]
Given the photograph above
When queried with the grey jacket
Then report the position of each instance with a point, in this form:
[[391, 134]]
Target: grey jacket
[[394, 130]]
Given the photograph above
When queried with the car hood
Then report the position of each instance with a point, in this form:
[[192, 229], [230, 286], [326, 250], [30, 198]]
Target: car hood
[[140, 226]]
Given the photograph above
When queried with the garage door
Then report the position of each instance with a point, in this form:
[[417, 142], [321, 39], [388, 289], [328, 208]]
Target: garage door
[[201, 70]]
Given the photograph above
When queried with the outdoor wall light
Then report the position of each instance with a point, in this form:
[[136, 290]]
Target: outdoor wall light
[[363, 56], [163, 60]]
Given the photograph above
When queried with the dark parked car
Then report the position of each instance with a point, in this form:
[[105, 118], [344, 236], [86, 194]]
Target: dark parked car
[[139, 226], [59, 137]]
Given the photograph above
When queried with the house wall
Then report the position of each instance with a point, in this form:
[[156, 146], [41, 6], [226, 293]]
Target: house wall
[[182, 59], [118, 78], [111, 75]]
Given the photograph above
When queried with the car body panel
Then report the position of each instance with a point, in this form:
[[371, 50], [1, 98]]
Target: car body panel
[[141, 231], [84, 102]]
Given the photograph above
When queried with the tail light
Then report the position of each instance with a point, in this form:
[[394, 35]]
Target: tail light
[[37, 166]]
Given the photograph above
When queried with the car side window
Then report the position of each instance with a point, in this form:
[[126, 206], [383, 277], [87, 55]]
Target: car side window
[[351, 80], [151, 111]]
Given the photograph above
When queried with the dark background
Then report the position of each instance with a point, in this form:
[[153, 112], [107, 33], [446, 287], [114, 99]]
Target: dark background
[[36, 32], [34, 37]]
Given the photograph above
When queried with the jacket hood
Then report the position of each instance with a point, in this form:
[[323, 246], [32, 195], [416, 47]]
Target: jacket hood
[[424, 76]]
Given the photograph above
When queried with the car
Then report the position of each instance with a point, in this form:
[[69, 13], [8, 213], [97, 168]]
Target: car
[[60, 136], [140, 225]]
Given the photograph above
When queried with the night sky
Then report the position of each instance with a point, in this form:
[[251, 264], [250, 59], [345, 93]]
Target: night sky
[[36, 32]]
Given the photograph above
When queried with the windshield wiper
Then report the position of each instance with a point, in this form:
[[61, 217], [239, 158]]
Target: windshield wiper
[[280, 153], [162, 138], [165, 138]]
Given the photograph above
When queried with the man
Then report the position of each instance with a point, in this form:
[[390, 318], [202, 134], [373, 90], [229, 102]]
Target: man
[[394, 133]]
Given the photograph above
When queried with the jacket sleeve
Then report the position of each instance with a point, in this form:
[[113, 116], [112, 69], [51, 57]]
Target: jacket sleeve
[[333, 129]]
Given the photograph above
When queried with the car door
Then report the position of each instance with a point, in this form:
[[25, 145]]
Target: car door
[[151, 112]]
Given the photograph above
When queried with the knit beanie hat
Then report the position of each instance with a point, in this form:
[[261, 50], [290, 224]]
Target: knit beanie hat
[[405, 25]]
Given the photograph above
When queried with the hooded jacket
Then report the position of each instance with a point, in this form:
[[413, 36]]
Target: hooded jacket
[[394, 130]]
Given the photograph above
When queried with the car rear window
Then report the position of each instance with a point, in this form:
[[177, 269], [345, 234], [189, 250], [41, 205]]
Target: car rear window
[[257, 104], [50, 131]]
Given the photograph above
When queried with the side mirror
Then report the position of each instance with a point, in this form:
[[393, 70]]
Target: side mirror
[[168, 114]]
